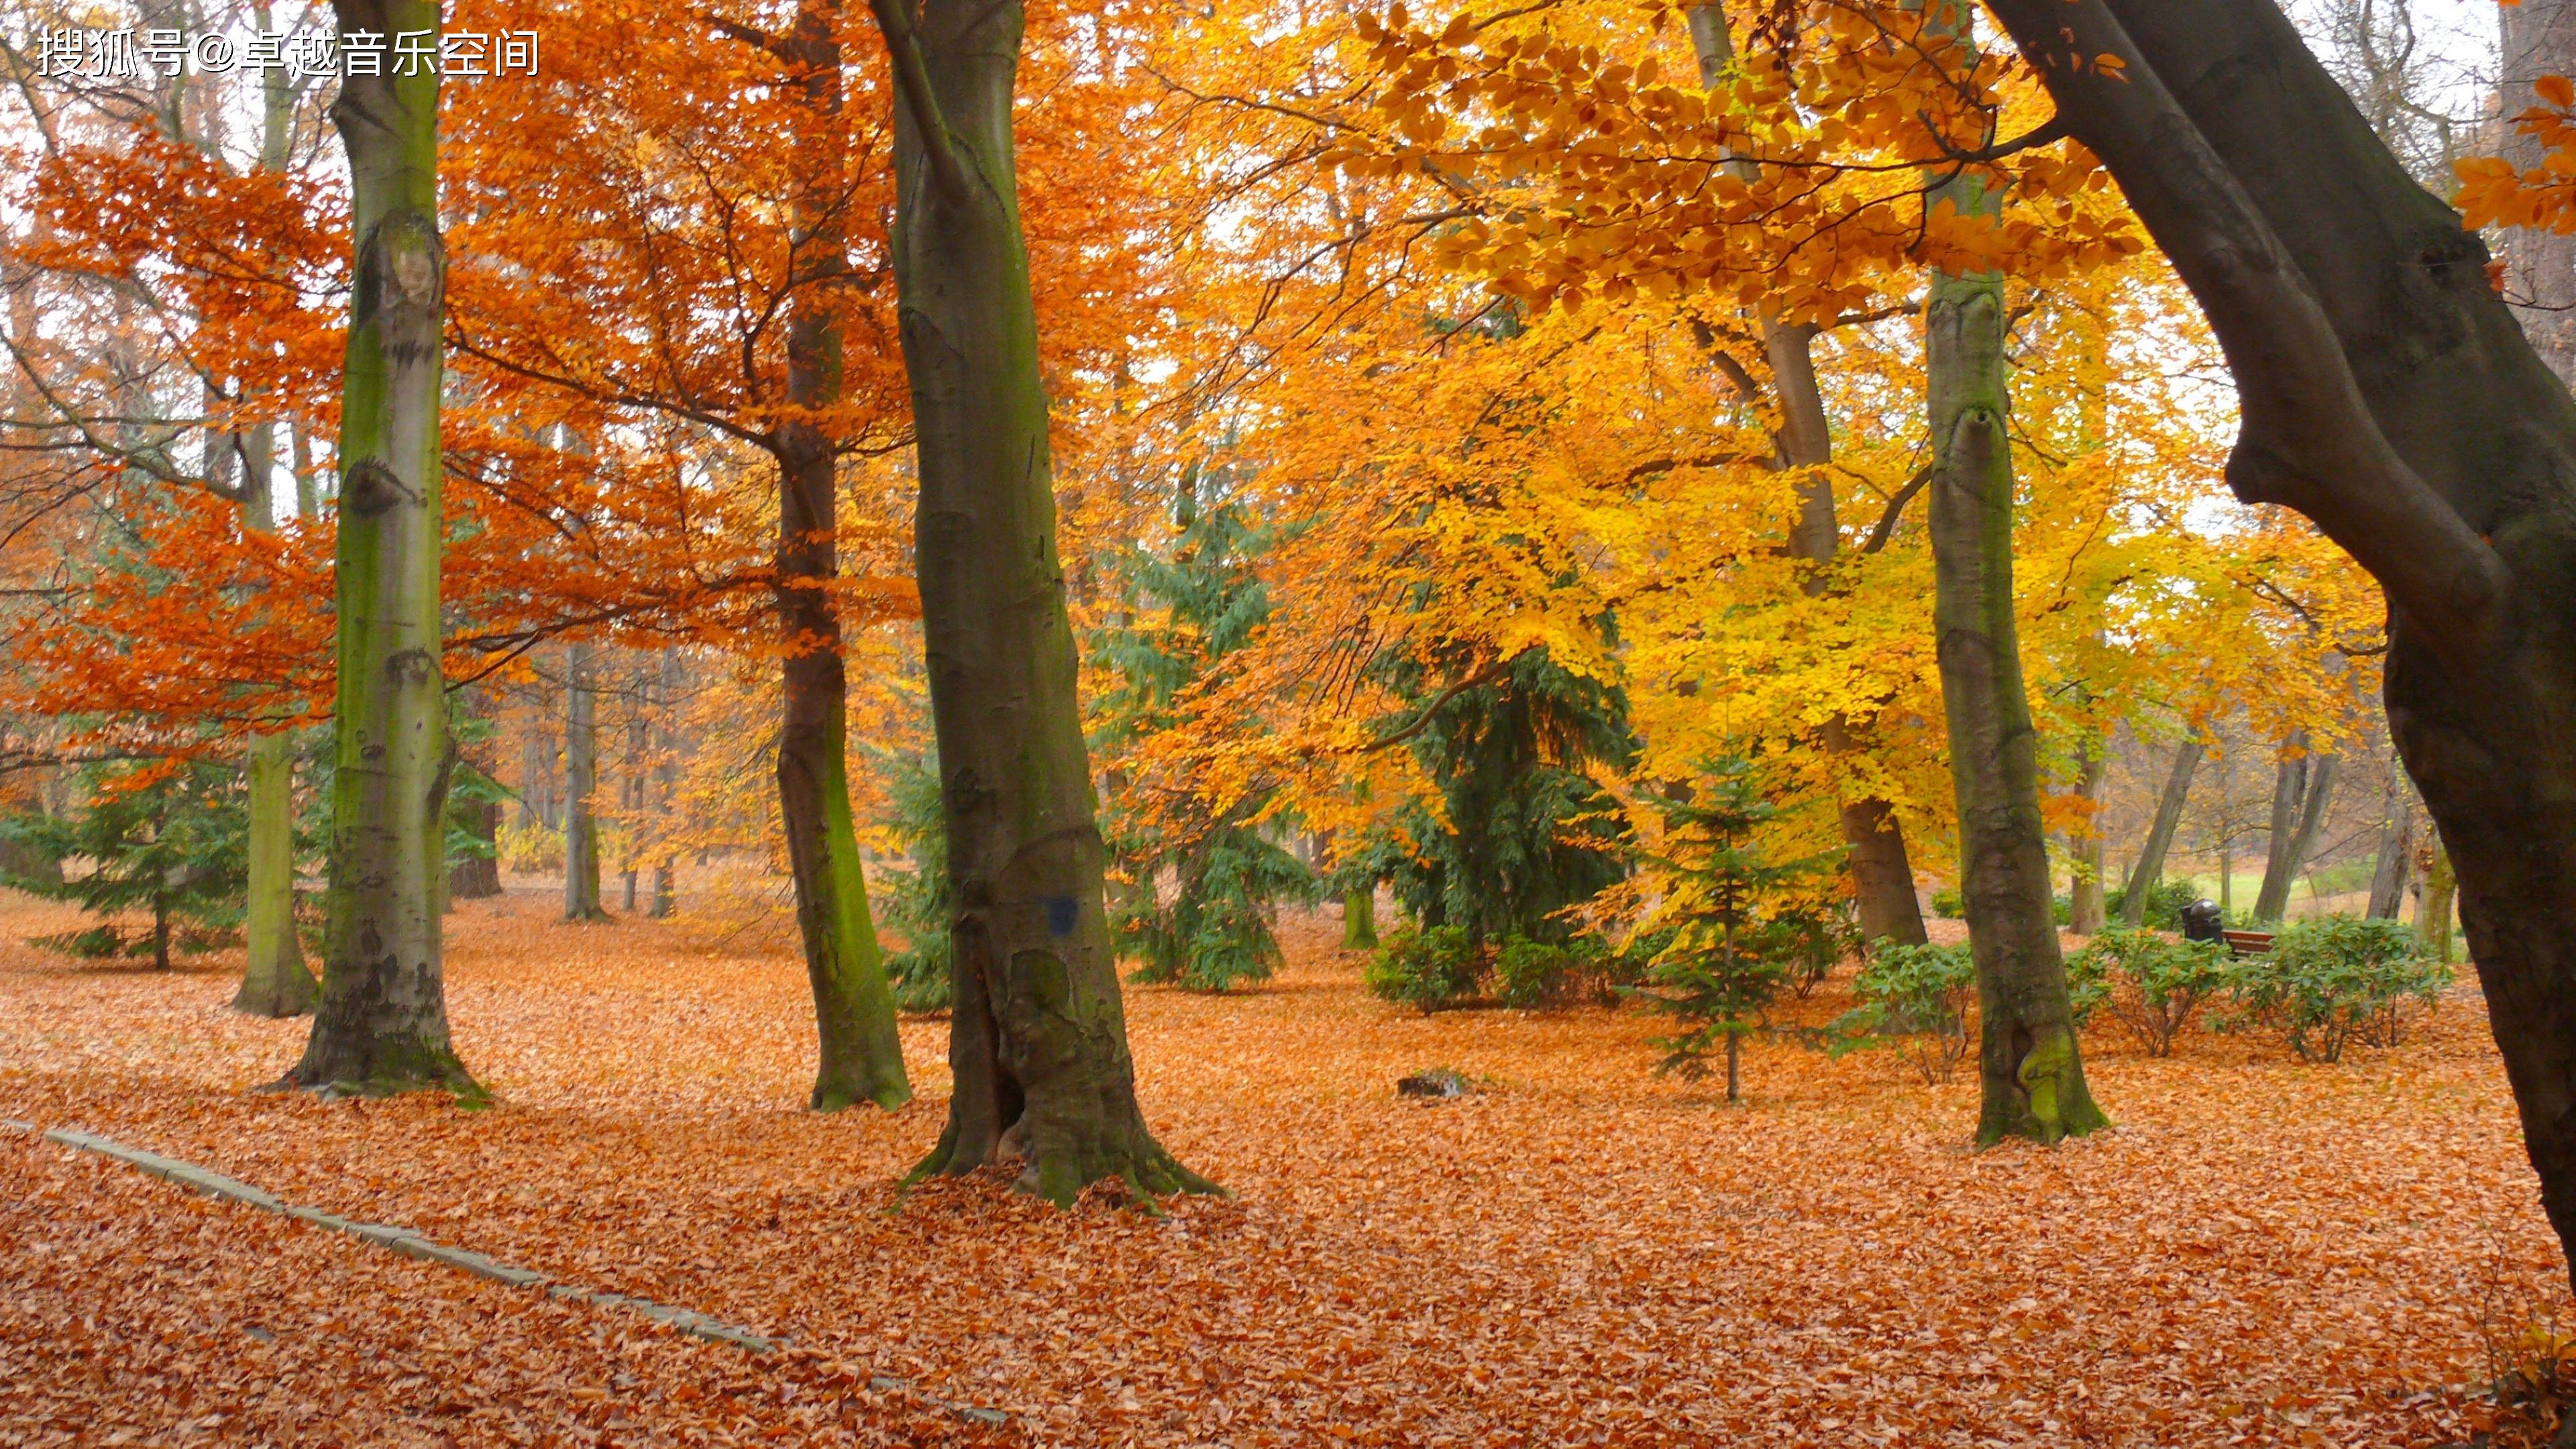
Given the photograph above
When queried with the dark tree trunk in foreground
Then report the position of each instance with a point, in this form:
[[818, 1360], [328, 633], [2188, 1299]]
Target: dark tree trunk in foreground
[[2030, 1069], [860, 1058], [1038, 1035], [2390, 395], [2150, 866], [1882, 873], [382, 1023], [2302, 788]]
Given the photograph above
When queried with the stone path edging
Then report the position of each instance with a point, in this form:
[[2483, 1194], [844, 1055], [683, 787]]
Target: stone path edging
[[411, 1244]]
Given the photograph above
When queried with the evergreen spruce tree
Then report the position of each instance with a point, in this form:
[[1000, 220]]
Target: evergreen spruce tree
[[171, 839], [918, 900], [1527, 832], [1193, 605]]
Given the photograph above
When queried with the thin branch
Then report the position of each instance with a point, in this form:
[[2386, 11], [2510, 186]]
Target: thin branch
[[912, 81]]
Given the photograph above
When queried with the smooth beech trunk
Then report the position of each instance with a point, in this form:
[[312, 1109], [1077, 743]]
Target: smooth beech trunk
[[275, 980], [2149, 869], [1882, 873], [382, 1022], [2396, 862], [2087, 910], [1037, 1034], [2387, 393], [860, 1057], [2030, 1069], [581, 784], [666, 782]]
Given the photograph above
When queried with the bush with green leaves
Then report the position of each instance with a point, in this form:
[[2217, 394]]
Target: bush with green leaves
[[2330, 982], [1427, 968], [1949, 903], [1914, 1000], [2148, 983]]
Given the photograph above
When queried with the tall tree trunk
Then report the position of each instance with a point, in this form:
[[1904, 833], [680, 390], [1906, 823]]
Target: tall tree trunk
[[2433, 912], [2540, 266], [632, 782], [382, 1023], [2150, 867], [2032, 1072], [1882, 872], [275, 980], [666, 779], [2388, 394], [860, 1056], [1037, 1033], [2396, 851], [2301, 791], [2086, 909], [1359, 920], [581, 784]]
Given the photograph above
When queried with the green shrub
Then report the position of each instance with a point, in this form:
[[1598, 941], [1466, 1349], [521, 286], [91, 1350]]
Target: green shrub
[[1426, 969], [2148, 983], [1807, 940], [2334, 981], [1914, 999], [1537, 974], [1949, 904]]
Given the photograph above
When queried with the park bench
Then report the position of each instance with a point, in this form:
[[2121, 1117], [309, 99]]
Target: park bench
[[2249, 943]]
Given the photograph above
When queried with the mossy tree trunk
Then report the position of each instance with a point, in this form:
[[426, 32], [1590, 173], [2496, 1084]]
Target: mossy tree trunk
[[2149, 868], [1038, 1034], [2031, 1071], [275, 980], [581, 784], [860, 1055], [382, 1022], [1359, 920], [2086, 909]]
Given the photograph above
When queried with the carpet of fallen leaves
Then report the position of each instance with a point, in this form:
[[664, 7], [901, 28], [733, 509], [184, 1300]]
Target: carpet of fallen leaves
[[2264, 1252]]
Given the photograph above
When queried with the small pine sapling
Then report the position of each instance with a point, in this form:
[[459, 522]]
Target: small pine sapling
[[171, 838]]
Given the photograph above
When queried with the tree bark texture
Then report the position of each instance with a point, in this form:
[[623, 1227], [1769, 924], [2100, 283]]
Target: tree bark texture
[[1037, 1034], [2150, 866], [2030, 1069], [581, 783], [860, 1059], [2391, 396], [382, 1022], [2302, 789], [275, 980]]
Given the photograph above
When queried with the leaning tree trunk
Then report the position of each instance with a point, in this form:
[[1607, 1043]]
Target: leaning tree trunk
[[1882, 873], [2391, 396], [2150, 866], [581, 784], [2300, 793], [860, 1056], [1037, 1033], [2031, 1071], [382, 1023]]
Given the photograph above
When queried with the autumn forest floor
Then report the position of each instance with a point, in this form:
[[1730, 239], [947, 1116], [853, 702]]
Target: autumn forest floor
[[2263, 1252]]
